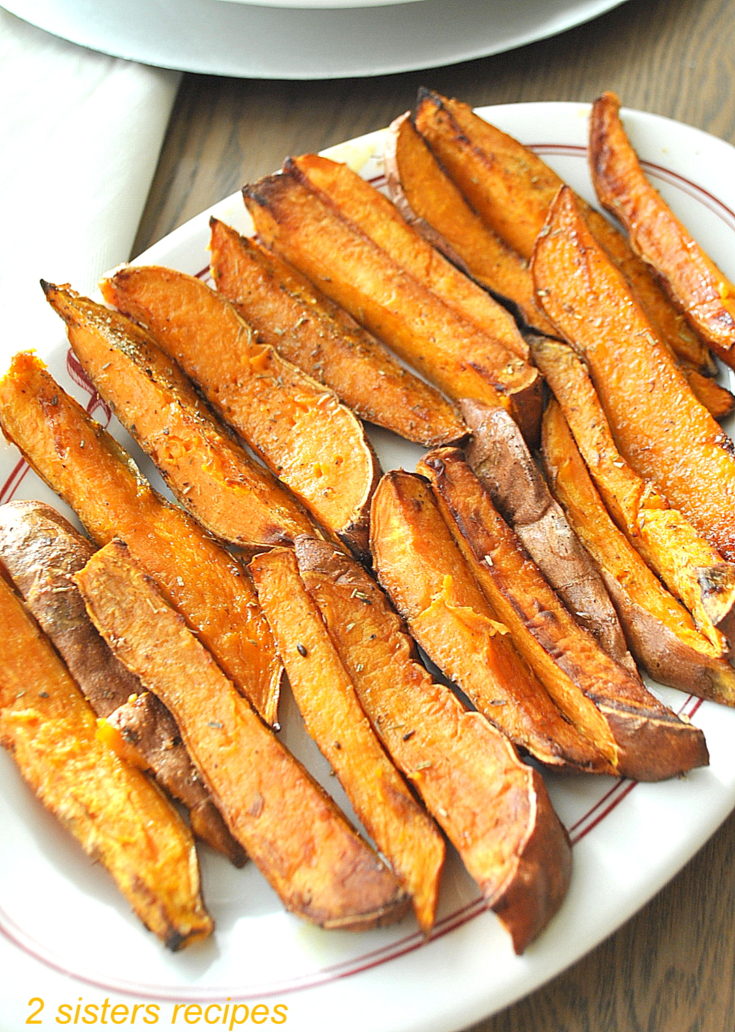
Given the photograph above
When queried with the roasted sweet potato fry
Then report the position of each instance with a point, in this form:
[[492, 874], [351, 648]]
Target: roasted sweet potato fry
[[107, 805], [661, 429], [379, 219], [402, 830], [420, 566], [211, 475], [687, 564], [717, 399], [500, 458], [661, 633], [288, 313], [83, 464], [511, 188], [696, 285], [494, 808], [40, 552], [429, 200], [319, 866], [312, 443], [639, 736], [307, 230]]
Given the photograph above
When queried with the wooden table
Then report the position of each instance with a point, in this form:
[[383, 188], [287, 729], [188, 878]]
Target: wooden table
[[672, 967]]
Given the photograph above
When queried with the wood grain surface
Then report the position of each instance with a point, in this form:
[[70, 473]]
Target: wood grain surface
[[672, 967]]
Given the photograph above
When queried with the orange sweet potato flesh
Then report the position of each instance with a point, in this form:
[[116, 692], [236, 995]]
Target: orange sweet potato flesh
[[225, 490], [696, 285], [511, 189], [660, 631], [310, 441], [324, 341], [321, 869], [116, 814], [686, 563], [717, 399], [501, 460], [429, 200], [420, 566], [40, 552], [661, 429], [380, 220], [640, 737], [494, 808], [307, 230], [401, 829], [83, 464]]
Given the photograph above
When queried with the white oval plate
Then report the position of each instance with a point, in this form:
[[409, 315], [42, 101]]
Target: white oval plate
[[68, 939], [276, 43], [315, 5]]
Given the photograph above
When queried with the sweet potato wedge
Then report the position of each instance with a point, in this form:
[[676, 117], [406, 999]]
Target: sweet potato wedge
[[494, 808], [717, 399], [421, 568], [379, 219], [660, 631], [321, 869], [666, 435], [312, 443], [501, 460], [210, 474], [696, 285], [401, 829], [324, 341], [430, 201], [83, 464], [686, 563], [107, 805], [307, 230], [511, 189], [40, 552], [639, 737]]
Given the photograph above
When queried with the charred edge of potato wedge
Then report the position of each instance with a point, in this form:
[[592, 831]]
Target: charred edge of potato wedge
[[694, 282], [428, 199], [511, 188]]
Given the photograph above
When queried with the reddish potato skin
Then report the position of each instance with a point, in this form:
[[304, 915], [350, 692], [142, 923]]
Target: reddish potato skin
[[500, 458], [106, 804], [40, 552]]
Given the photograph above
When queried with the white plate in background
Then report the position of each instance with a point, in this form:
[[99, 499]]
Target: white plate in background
[[250, 41], [67, 938]]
